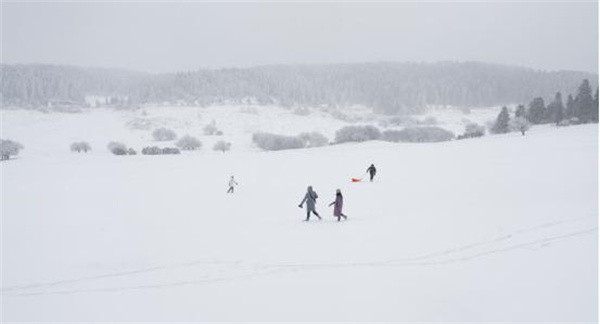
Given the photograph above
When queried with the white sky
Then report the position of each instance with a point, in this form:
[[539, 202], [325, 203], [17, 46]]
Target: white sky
[[161, 37]]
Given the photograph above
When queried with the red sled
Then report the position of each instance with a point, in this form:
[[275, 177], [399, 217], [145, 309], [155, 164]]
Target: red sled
[[356, 180]]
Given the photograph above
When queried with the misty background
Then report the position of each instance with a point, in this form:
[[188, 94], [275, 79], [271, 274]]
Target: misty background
[[170, 37]]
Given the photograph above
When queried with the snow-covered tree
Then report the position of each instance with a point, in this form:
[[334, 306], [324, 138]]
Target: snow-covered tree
[[211, 129], [80, 147], [584, 106], [164, 134], [472, 130], [275, 142], [426, 134], [117, 148], [357, 134], [188, 143], [222, 146], [313, 139], [521, 111], [556, 109], [537, 111], [520, 124], [570, 108], [501, 124], [9, 148]]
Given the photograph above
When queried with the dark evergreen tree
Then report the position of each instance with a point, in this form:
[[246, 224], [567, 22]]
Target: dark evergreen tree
[[521, 112], [595, 111], [556, 109], [537, 111], [502, 122], [570, 109], [584, 103]]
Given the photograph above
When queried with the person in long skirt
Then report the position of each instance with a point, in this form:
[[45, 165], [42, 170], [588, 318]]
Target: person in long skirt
[[338, 204]]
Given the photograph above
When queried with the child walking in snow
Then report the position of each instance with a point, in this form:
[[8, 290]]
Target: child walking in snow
[[232, 184], [338, 204]]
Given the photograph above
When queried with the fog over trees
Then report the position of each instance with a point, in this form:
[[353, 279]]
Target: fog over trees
[[390, 88]]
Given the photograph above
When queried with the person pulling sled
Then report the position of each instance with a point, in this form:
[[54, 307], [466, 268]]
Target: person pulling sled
[[372, 171]]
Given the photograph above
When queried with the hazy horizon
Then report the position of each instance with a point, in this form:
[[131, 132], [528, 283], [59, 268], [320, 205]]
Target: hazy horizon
[[172, 37], [292, 64]]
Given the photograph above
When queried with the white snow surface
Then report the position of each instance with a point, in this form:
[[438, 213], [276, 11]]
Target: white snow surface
[[497, 229]]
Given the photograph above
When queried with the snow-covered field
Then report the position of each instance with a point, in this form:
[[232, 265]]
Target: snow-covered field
[[498, 229]]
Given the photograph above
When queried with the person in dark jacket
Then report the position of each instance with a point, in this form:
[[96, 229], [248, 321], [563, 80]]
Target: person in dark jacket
[[311, 200], [372, 171], [338, 204]]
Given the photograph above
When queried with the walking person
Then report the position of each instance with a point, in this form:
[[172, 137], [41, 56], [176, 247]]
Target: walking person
[[338, 204], [232, 184], [311, 200], [372, 171]]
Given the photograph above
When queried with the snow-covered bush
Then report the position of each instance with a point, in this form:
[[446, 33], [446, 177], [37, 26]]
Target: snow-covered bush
[[313, 139], [151, 150], [117, 148], [222, 146], [429, 121], [301, 111], [80, 146], [357, 134], [9, 148], [155, 150], [519, 124], [131, 151], [164, 134], [171, 150], [274, 142], [564, 122], [472, 130], [188, 143], [418, 135], [211, 129]]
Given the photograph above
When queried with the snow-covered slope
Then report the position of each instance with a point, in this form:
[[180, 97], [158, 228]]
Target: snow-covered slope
[[502, 228]]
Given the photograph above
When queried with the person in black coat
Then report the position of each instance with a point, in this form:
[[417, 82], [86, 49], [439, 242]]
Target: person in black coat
[[372, 171]]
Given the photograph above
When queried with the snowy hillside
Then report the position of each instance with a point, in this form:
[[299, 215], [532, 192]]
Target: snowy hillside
[[501, 228], [48, 134]]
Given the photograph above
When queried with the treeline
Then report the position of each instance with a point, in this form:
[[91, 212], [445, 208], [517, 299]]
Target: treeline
[[579, 109], [390, 88]]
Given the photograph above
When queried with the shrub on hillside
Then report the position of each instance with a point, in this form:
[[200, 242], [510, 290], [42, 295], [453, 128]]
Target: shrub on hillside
[[9, 148], [151, 150], [313, 139], [80, 147], [519, 124], [274, 142], [222, 146], [427, 134], [211, 129], [472, 130], [164, 134], [117, 148], [301, 111], [131, 151], [155, 150], [188, 143], [357, 134], [171, 150]]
